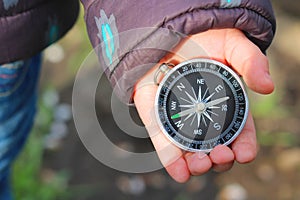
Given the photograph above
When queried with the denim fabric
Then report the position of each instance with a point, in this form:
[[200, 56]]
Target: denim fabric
[[18, 94]]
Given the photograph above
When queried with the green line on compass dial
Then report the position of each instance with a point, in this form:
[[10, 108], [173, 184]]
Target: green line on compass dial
[[175, 116]]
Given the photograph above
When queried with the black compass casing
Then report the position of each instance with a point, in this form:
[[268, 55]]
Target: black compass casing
[[200, 104]]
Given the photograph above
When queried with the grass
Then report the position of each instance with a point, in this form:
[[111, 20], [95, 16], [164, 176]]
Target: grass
[[278, 139], [269, 107], [30, 181]]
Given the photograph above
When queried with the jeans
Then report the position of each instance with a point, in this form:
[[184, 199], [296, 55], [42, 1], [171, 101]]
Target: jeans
[[18, 95]]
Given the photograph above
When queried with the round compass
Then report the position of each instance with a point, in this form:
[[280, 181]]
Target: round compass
[[200, 104]]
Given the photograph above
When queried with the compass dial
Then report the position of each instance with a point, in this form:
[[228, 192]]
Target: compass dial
[[201, 103]]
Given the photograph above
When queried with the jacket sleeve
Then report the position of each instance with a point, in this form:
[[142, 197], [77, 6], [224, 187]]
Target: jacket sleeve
[[129, 36], [28, 27]]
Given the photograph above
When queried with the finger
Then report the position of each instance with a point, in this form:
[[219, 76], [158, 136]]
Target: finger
[[198, 163], [221, 154], [245, 146], [247, 59], [179, 171], [222, 158]]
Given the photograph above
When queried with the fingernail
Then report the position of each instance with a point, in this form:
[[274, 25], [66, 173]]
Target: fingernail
[[200, 155]]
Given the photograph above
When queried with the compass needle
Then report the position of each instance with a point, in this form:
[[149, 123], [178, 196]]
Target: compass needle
[[190, 97], [204, 121], [199, 94], [186, 106], [208, 98], [194, 93], [212, 112], [189, 116], [213, 107], [205, 93], [175, 116], [193, 119], [207, 116], [198, 118], [216, 101], [186, 100], [183, 113]]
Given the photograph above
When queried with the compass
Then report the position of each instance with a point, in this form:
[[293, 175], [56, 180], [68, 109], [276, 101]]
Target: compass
[[200, 104]]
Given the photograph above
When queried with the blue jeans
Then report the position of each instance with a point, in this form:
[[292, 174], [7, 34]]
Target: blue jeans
[[18, 95]]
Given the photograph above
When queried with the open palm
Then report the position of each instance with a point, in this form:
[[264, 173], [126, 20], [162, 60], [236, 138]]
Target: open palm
[[231, 47]]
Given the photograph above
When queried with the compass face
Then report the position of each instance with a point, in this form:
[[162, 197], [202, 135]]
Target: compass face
[[200, 104]]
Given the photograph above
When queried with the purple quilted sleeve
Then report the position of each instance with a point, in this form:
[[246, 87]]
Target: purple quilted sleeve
[[130, 36]]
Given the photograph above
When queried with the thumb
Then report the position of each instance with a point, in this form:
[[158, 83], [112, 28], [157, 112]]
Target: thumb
[[247, 59]]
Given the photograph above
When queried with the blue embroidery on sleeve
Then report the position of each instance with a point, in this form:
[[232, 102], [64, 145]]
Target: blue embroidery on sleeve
[[108, 35], [9, 3], [108, 39], [230, 3]]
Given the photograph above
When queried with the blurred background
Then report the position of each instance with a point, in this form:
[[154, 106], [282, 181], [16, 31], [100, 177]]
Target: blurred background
[[55, 164]]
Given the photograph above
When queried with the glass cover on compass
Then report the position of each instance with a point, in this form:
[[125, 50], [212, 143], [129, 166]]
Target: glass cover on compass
[[201, 103]]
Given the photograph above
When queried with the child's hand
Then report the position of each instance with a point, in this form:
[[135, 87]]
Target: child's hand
[[231, 47]]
